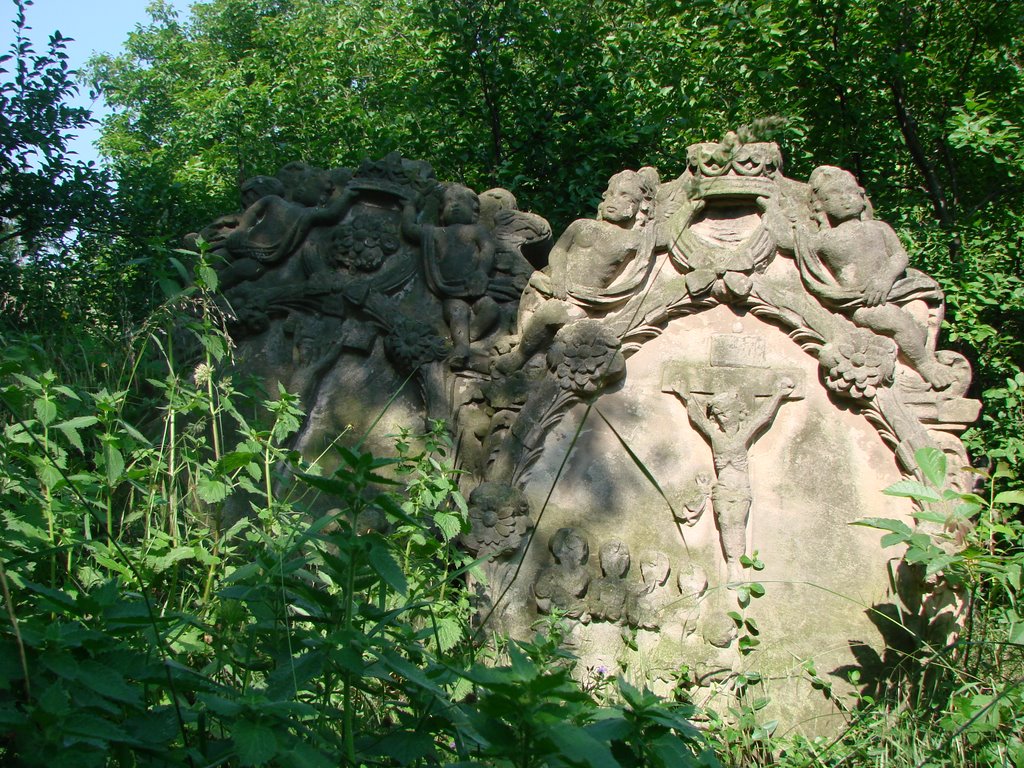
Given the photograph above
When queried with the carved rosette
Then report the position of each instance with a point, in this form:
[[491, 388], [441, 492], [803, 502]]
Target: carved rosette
[[585, 357], [858, 365], [412, 344], [364, 243], [499, 520]]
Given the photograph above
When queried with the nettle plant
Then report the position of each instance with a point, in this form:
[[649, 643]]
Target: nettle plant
[[139, 631], [975, 545]]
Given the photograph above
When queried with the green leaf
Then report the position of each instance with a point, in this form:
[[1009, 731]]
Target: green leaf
[[584, 748], [1016, 635], [255, 743], [885, 524], [449, 525], [113, 463], [1010, 497], [932, 462], [46, 410], [386, 567], [405, 747], [912, 489], [211, 490], [449, 632], [79, 422], [176, 555], [671, 752], [229, 462], [208, 277]]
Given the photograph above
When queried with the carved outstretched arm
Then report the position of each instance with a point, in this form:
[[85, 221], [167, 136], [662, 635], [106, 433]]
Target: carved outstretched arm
[[335, 211], [697, 410], [765, 415]]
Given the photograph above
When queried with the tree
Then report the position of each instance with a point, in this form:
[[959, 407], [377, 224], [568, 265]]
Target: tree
[[550, 98], [47, 196]]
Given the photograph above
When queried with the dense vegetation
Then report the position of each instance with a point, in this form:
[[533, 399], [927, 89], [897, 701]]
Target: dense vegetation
[[136, 632]]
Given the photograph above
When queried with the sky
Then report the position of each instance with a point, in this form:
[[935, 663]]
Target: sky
[[97, 26]]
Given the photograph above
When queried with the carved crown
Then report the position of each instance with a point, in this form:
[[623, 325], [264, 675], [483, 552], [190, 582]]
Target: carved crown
[[731, 168], [394, 175]]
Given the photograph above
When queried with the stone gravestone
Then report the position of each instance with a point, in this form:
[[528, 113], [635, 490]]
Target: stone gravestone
[[666, 432]]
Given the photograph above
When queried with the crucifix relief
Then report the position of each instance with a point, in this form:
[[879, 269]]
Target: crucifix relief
[[732, 402]]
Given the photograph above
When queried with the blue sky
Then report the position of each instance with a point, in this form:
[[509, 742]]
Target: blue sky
[[97, 26]]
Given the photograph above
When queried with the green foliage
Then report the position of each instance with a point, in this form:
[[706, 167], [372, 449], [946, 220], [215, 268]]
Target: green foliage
[[967, 708], [48, 198], [139, 631]]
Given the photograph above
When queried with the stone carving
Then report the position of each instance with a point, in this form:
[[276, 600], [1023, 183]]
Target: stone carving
[[732, 427], [652, 596], [595, 266], [458, 258], [730, 340], [499, 519], [499, 526], [856, 265], [609, 595], [563, 585]]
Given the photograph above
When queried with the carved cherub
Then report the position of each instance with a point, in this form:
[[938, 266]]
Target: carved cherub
[[856, 265], [564, 584], [609, 595], [458, 260], [595, 266], [272, 228], [731, 428], [592, 254], [653, 594]]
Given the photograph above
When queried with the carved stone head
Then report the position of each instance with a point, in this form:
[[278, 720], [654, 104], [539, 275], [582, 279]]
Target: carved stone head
[[728, 409], [260, 186], [460, 205], [614, 556], [837, 193], [627, 199], [493, 201], [654, 568], [569, 547]]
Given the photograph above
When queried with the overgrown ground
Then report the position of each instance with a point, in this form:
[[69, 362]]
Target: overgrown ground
[[139, 632]]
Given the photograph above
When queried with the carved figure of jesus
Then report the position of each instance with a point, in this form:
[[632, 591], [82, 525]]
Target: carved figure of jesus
[[857, 266], [731, 429]]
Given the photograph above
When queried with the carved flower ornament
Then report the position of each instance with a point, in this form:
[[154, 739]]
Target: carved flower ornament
[[585, 357], [412, 344], [364, 243], [859, 364], [499, 518]]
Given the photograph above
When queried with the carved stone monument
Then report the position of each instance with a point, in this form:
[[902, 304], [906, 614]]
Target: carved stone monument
[[666, 432]]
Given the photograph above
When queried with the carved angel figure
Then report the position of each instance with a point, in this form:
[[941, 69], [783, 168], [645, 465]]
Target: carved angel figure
[[458, 258], [598, 263], [609, 595], [856, 265], [594, 267], [564, 584]]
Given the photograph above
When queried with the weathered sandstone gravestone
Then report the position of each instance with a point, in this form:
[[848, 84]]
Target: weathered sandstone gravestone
[[666, 433]]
